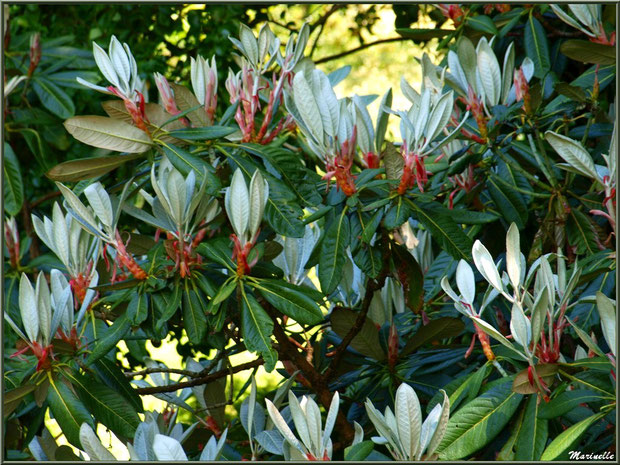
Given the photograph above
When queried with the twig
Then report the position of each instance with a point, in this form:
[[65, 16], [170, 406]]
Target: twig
[[357, 49], [202, 380], [148, 371]]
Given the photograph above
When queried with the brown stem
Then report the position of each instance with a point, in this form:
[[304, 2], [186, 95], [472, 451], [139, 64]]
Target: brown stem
[[357, 49], [202, 380]]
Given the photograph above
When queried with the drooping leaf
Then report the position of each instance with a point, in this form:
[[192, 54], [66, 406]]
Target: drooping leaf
[[13, 185], [478, 422], [522, 383], [106, 404], [194, 318], [53, 97], [567, 401], [533, 434], [333, 256], [108, 133], [204, 133], [185, 162], [435, 330], [589, 52], [366, 341], [86, 168], [567, 439], [291, 300], [114, 378], [536, 46], [68, 411], [113, 334], [257, 328]]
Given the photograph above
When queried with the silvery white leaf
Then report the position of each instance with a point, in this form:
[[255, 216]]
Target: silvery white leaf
[[442, 424], [177, 195], [539, 313], [607, 311], [100, 202], [528, 68], [61, 234], [489, 72], [258, 193], [327, 102], [250, 47], [466, 282], [486, 266], [428, 429], [88, 221], [569, 20], [284, 429], [121, 63], [197, 74], [105, 65], [167, 448], [238, 204], [359, 433], [409, 419], [573, 153], [28, 308], [520, 326], [513, 256], [507, 71], [271, 441], [330, 421], [584, 15], [144, 439], [92, 445], [313, 420], [299, 419], [306, 104]]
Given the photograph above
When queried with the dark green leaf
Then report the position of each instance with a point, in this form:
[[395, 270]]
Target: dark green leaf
[[580, 232], [435, 330], [573, 92], [366, 342], [371, 226], [257, 328], [217, 250], [291, 301], [359, 451], [533, 434], [114, 378], [397, 213], [444, 230], [536, 46], [482, 23], [53, 97], [562, 444], [333, 256], [194, 319], [567, 401], [138, 308], [13, 185], [478, 422], [68, 411], [205, 133], [107, 405], [589, 52], [113, 334], [410, 276], [508, 201]]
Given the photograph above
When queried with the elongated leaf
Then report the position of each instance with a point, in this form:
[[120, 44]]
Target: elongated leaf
[[204, 133], [477, 423], [607, 311], [573, 153], [366, 341], [53, 97], [589, 52], [114, 333], [113, 377], [108, 133], [194, 318], [13, 185], [567, 439], [408, 419], [536, 46], [444, 230], [580, 232], [68, 411], [411, 277], [291, 301], [333, 254], [435, 330], [567, 401], [533, 434], [92, 445], [86, 168], [358, 452], [168, 449], [185, 162], [508, 201], [107, 405], [257, 328]]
